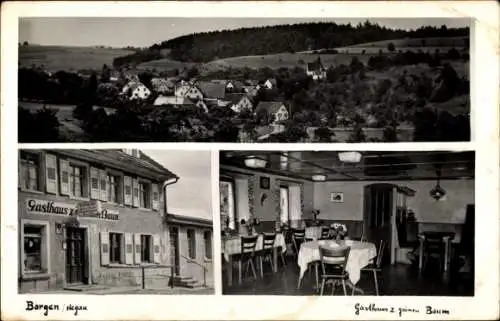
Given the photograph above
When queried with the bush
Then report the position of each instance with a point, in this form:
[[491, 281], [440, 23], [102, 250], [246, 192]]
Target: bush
[[39, 127]]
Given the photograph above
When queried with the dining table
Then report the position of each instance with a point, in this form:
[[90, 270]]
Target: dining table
[[360, 255], [445, 237], [232, 246], [313, 232]]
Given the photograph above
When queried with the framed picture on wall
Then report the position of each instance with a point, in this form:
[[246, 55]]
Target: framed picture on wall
[[264, 182], [337, 197]]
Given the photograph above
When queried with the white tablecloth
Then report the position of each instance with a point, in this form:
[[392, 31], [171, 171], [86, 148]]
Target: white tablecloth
[[233, 246], [359, 257], [313, 232]]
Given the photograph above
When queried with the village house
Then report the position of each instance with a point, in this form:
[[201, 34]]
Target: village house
[[267, 84], [98, 219], [275, 110], [136, 90], [179, 102], [162, 85], [239, 102], [316, 70]]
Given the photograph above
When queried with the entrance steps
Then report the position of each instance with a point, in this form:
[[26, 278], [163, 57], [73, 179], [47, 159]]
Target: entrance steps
[[85, 287], [187, 282]]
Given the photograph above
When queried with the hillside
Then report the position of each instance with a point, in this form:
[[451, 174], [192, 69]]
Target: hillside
[[208, 46], [56, 58]]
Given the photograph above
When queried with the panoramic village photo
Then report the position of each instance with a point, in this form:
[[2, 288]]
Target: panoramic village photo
[[388, 223], [111, 221], [243, 80]]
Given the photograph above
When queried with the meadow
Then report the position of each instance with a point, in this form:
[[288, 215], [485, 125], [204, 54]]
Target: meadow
[[55, 58]]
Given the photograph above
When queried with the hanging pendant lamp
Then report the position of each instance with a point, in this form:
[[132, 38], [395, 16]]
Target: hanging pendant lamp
[[437, 192]]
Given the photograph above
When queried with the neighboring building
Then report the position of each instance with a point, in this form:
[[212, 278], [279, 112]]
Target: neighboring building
[[212, 90], [172, 100], [268, 84], [277, 111], [95, 217], [181, 90], [316, 70], [239, 102], [136, 90], [190, 241], [162, 85]]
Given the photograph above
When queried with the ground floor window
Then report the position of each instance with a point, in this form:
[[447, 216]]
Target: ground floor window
[[284, 201], [146, 248], [35, 250], [115, 243], [207, 237], [227, 208], [191, 237]]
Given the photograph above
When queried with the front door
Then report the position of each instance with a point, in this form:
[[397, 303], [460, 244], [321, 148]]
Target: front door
[[75, 255], [174, 249], [377, 216]]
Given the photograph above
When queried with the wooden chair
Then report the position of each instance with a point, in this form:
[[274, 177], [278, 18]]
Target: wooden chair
[[376, 266], [333, 263], [325, 233], [247, 255], [298, 237], [266, 253]]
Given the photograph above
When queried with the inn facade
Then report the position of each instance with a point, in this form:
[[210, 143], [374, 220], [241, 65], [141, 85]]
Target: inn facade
[[99, 218]]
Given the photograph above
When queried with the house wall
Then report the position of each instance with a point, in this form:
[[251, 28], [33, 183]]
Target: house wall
[[131, 220], [188, 268]]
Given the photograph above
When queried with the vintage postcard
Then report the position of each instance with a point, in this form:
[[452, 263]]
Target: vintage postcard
[[250, 160]]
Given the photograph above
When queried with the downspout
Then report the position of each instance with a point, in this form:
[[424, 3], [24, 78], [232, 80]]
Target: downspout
[[164, 188]]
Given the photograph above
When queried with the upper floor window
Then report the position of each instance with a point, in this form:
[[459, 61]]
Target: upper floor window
[[113, 188], [144, 195], [30, 171], [77, 180]]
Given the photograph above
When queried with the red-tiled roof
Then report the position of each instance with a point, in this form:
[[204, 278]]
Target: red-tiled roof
[[212, 90]]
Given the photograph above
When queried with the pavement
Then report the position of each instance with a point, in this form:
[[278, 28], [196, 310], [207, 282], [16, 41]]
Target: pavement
[[134, 290]]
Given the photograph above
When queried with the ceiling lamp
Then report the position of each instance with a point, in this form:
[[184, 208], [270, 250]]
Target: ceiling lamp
[[350, 157], [254, 162], [437, 192], [319, 178]]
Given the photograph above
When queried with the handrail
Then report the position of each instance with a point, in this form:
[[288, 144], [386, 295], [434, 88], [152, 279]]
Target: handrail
[[205, 269]]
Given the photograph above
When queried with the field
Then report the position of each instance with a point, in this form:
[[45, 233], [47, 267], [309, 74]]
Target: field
[[164, 64], [288, 60], [56, 58]]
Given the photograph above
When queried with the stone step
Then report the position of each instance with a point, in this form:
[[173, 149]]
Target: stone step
[[85, 287]]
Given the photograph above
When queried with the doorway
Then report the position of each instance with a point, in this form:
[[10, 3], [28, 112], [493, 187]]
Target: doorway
[[75, 256], [377, 219], [174, 249]]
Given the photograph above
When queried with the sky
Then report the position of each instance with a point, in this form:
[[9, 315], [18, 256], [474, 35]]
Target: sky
[[192, 194], [142, 32]]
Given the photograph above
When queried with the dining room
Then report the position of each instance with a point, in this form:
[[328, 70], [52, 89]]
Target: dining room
[[347, 222]]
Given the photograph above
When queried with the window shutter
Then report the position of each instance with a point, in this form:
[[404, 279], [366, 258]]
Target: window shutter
[[102, 184], [135, 189], [137, 248], [94, 183], [51, 173], [155, 197], [156, 249], [104, 248], [129, 249], [127, 185], [64, 176]]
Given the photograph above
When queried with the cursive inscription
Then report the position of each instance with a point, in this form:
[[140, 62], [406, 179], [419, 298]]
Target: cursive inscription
[[396, 310]]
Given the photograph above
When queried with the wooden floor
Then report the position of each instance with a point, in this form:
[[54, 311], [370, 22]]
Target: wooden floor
[[399, 279]]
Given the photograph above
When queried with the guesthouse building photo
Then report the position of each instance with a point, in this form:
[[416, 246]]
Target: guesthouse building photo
[[98, 221], [348, 223]]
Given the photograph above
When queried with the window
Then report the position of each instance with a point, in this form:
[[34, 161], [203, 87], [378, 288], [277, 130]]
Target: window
[[34, 248], [145, 248], [284, 201], [191, 244], [228, 214], [113, 188], [115, 243], [29, 171], [207, 237], [144, 194], [77, 181]]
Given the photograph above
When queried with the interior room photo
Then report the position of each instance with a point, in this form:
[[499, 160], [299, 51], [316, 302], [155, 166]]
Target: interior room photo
[[347, 222]]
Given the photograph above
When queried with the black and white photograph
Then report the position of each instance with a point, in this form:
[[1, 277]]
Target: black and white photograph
[[402, 225], [110, 221], [244, 80]]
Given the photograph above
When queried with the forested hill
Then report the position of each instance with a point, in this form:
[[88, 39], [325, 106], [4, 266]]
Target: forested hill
[[207, 46]]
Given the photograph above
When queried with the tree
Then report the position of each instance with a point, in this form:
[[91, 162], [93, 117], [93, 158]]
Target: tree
[[105, 73], [391, 47], [357, 135], [324, 134], [25, 43]]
